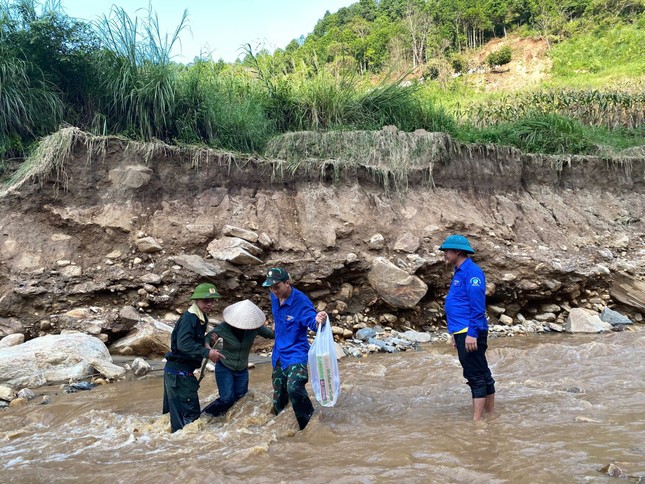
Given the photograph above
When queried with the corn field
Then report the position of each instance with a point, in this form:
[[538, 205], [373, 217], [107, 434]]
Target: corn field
[[610, 109]]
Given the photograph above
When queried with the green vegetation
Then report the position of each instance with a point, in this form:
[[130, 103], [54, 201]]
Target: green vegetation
[[500, 57], [353, 72]]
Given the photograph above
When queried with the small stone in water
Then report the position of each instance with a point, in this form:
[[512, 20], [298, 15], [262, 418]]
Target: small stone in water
[[613, 470]]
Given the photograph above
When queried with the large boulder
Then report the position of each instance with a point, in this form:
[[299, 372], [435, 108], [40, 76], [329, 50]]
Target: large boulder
[[394, 285], [53, 358], [582, 320], [148, 338]]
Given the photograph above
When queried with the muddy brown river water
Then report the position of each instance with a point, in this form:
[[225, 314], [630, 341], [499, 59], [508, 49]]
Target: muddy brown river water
[[567, 406]]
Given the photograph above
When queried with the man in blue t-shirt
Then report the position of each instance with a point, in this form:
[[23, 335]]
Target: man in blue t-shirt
[[467, 324], [293, 315]]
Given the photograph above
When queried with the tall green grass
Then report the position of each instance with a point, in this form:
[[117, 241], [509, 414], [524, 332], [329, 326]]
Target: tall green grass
[[138, 78], [29, 107], [221, 109]]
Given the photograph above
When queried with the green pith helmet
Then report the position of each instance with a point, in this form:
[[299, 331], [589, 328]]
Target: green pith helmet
[[457, 242], [205, 291], [275, 275]]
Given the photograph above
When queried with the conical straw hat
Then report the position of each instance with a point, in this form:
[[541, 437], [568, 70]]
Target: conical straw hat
[[244, 315]]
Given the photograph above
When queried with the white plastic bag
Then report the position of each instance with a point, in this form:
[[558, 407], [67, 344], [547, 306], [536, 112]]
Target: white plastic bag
[[323, 367]]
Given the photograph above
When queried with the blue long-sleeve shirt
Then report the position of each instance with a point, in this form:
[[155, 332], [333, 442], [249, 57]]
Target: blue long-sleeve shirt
[[466, 300], [292, 319]]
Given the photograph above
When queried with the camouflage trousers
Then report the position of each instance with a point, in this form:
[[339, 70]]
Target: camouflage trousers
[[289, 385]]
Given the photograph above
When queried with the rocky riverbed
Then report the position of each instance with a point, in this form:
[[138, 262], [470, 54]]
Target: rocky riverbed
[[108, 237]]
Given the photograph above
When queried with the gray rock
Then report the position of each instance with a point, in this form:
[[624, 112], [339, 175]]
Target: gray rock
[[506, 320], [546, 317], [27, 394], [387, 345], [108, 369], [416, 336], [265, 241], [340, 352], [558, 328], [129, 315], [148, 245], [407, 243], [401, 342], [149, 337], [231, 242], [70, 272], [365, 334], [140, 367], [236, 255], [206, 230], [202, 267], [355, 352], [376, 242], [234, 250], [12, 340], [394, 285], [233, 231], [496, 310], [585, 321], [151, 278], [131, 176], [10, 326], [608, 316], [337, 330], [550, 308]]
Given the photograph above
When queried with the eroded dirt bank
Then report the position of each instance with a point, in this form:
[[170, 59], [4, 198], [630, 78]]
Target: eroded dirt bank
[[108, 224]]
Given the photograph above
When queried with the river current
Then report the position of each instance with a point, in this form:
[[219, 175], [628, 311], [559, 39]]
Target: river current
[[566, 406]]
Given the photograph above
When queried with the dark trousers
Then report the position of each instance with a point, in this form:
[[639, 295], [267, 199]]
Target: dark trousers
[[180, 399], [232, 386], [289, 385], [475, 365]]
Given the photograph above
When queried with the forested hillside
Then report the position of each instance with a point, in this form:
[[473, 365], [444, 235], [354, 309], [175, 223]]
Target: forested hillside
[[542, 75]]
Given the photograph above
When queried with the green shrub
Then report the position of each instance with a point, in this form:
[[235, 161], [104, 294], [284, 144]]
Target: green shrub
[[500, 57], [458, 62]]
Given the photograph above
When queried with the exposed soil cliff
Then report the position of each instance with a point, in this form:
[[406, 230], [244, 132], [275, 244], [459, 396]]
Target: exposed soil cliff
[[76, 228]]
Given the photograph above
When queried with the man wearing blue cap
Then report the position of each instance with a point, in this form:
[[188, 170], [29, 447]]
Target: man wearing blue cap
[[465, 309], [293, 315]]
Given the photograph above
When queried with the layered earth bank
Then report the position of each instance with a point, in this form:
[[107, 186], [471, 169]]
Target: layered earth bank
[[101, 234]]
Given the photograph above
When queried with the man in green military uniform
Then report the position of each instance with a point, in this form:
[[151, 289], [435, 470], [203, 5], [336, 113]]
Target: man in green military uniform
[[187, 349]]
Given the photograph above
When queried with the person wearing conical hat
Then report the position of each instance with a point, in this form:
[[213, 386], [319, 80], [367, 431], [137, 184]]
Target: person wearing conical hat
[[465, 309], [243, 321], [187, 349], [293, 316]]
